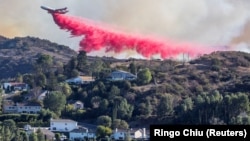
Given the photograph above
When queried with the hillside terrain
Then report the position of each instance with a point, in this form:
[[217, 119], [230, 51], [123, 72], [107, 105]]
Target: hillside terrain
[[166, 91], [17, 55]]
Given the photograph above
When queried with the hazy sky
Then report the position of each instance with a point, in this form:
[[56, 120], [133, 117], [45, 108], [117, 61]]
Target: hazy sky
[[211, 22]]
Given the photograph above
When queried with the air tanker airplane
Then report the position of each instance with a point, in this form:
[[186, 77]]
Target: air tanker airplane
[[60, 10]]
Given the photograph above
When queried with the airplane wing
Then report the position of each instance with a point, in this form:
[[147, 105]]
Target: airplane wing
[[60, 10]]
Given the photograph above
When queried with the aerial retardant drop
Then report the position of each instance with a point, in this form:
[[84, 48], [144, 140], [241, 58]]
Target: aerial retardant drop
[[98, 36]]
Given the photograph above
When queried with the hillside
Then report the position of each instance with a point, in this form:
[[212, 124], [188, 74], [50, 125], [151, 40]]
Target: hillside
[[194, 91], [18, 54], [226, 71]]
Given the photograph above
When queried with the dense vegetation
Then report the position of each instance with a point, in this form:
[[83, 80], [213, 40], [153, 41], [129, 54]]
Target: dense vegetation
[[211, 89]]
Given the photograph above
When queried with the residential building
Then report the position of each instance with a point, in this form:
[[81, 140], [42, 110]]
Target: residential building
[[48, 135], [120, 134], [77, 104], [121, 75], [80, 80], [62, 125], [28, 107], [81, 133], [14, 86]]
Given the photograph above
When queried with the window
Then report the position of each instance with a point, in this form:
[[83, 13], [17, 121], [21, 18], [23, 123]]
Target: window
[[54, 128], [65, 123]]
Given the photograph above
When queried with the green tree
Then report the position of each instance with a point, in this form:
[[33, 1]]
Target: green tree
[[40, 80], [66, 89], [145, 109], [104, 121], [114, 91], [103, 131], [144, 76], [57, 137], [125, 110], [96, 67], [19, 78], [33, 137], [69, 67], [103, 107], [29, 79], [120, 124], [132, 68], [82, 61], [51, 81], [40, 135], [43, 63], [55, 101], [165, 107]]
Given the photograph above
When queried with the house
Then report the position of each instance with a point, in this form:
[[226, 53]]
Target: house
[[77, 104], [81, 134], [121, 75], [9, 106], [48, 135], [27, 107], [120, 134], [62, 125], [42, 95], [14, 86], [80, 80], [140, 134]]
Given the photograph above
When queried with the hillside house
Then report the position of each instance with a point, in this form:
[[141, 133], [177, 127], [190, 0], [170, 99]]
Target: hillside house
[[120, 134], [15, 86], [121, 75], [27, 107], [48, 135], [81, 134], [62, 125], [76, 104], [80, 80]]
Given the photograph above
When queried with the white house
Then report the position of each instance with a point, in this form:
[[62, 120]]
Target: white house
[[121, 75], [78, 105], [15, 86], [120, 134], [62, 125], [42, 95], [139, 134], [80, 80], [28, 107], [9, 106], [81, 133]]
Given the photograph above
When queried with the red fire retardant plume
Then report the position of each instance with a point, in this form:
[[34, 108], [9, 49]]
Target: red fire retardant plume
[[97, 36]]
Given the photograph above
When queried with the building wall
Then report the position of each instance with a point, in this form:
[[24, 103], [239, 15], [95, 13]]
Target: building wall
[[9, 109], [82, 135], [118, 135], [74, 135], [62, 126], [28, 109], [138, 134]]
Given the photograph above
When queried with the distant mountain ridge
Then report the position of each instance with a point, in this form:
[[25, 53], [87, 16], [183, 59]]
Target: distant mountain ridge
[[17, 54]]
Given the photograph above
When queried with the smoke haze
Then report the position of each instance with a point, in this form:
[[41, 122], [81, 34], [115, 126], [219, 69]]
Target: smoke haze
[[211, 22]]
